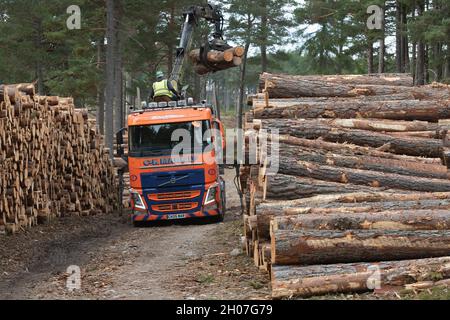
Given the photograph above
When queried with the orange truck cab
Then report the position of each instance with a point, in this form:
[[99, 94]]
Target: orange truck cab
[[181, 185]]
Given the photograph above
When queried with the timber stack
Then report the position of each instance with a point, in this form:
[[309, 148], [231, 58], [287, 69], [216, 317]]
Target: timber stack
[[122, 168], [214, 60], [53, 160], [362, 189]]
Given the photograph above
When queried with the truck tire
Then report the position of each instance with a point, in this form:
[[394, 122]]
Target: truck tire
[[224, 202]]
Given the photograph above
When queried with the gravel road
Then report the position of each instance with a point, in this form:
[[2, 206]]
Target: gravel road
[[116, 261]]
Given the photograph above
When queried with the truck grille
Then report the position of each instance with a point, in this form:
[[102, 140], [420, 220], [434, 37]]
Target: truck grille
[[174, 207], [174, 196]]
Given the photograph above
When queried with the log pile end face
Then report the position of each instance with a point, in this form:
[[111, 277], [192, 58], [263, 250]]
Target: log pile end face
[[53, 159]]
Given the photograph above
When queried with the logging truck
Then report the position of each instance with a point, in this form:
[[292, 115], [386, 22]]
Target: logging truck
[[170, 185], [166, 184]]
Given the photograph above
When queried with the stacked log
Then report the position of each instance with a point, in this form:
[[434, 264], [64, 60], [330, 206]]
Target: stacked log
[[53, 160], [123, 172], [216, 60], [362, 183]]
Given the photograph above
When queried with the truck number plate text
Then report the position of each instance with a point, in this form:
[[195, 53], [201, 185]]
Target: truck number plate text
[[175, 216]]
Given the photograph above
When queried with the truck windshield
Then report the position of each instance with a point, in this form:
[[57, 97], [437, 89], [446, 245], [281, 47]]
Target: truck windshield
[[161, 139]]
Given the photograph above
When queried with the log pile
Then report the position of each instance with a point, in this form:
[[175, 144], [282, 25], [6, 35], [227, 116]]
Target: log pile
[[53, 160], [216, 60], [122, 166], [362, 190]]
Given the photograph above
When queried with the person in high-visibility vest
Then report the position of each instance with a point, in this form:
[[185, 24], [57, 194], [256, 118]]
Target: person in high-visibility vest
[[163, 90]]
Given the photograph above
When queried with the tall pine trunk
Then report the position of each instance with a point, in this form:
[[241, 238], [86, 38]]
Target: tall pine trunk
[[170, 53], [420, 65], [405, 45], [264, 35], [382, 48], [109, 100], [101, 86], [370, 65], [119, 117], [398, 37]]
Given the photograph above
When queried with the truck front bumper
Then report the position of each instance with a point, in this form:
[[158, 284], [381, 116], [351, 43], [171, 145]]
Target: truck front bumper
[[142, 217]]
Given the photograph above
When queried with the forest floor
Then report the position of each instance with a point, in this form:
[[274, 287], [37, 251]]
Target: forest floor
[[117, 261]]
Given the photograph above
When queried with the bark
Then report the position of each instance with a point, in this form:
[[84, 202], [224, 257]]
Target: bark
[[287, 187], [241, 99], [308, 247], [390, 110], [354, 198], [284, 87], [379, 125], [101, 86], [259, 101], [294, 153], [291, 281], [398, 37], [370, 65], [386, 79], [220, 60], [362, 177], [350, 149], [385, 220], [382, 49], [262, 221], [263, 34], [110, 94], [119, 118], [420, 67], [213, 56], [400, 145]]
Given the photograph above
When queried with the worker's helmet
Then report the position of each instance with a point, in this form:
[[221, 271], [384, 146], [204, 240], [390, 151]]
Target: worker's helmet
[[159, 75]]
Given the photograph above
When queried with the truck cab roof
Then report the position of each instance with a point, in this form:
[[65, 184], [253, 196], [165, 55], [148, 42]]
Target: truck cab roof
[[169, 115]]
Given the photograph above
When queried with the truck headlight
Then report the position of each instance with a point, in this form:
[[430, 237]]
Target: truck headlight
[[137, 199], [211, 195]]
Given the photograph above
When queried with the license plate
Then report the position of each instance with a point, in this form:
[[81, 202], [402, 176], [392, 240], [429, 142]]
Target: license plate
[[175, 216]]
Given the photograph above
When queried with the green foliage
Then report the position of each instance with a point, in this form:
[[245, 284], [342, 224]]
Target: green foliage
[[37, 46]]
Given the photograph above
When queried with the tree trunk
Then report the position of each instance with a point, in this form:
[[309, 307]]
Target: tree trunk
[[284, 87], [385, 126], [242, 88], [309, 247], [362, 177], [420, 68], [362, 162], [261, 222], [172, 30], [370, 64], [264, 35], [293, 281], [353, 149], [405, 44], [385, 79], [38, 40], [382, 49], [398, 36], [119, 119], [101, 85], [110, 64], [287, 187], [409, 110], [385, 220], [405, 146], [351, 198]]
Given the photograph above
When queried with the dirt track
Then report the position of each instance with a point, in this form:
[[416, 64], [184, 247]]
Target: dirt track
[[118, 261]]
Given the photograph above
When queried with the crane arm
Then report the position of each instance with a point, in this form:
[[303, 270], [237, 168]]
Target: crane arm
[[191, 16]]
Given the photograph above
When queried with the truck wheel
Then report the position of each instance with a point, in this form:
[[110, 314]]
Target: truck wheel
[[221, 217]]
